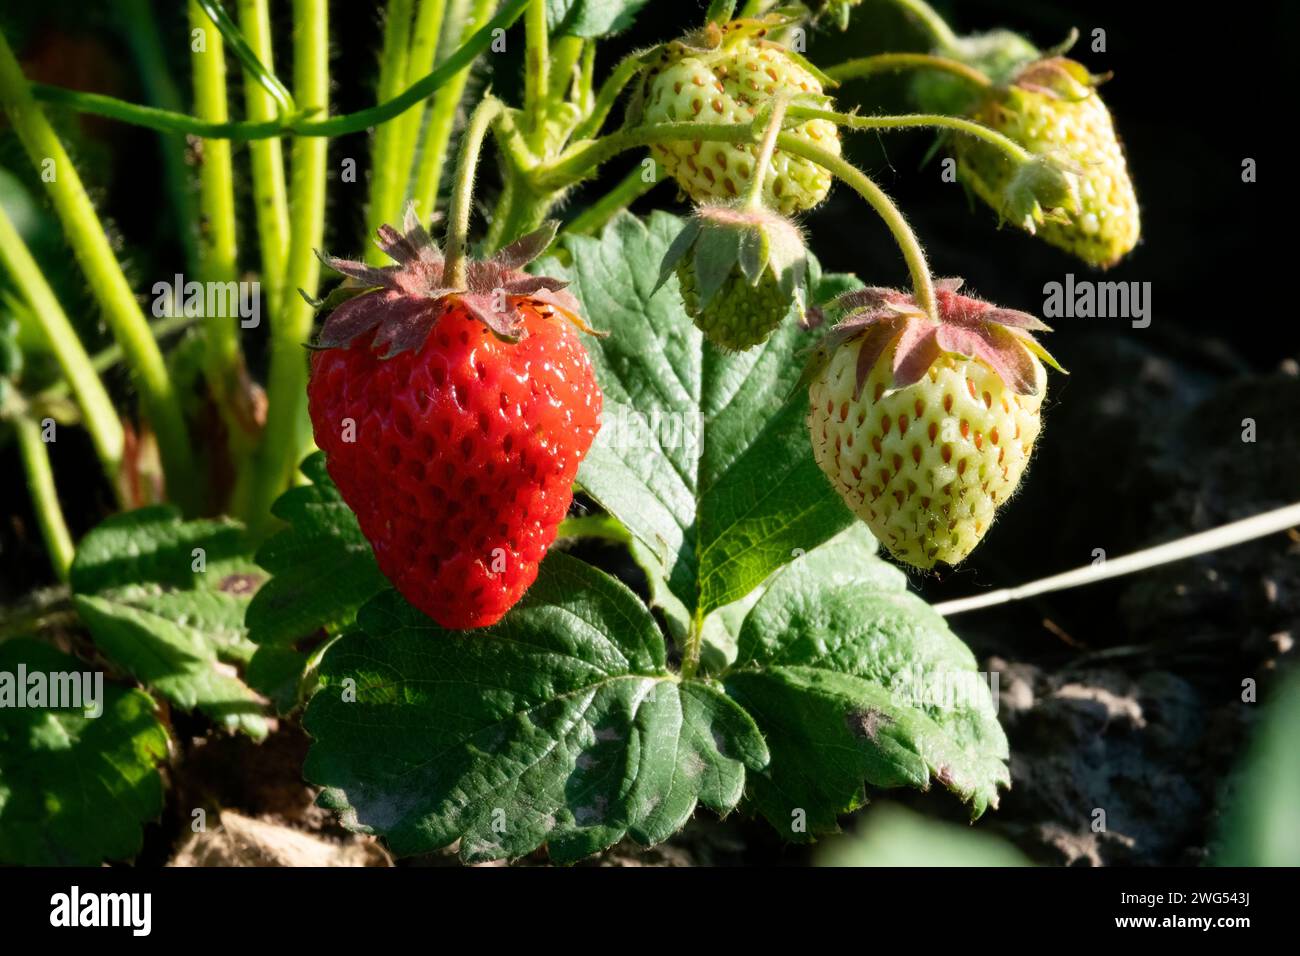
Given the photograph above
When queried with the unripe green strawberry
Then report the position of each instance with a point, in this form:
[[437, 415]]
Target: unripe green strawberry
[[727, 75], [1053, 110], [925, 427], [741, 271]]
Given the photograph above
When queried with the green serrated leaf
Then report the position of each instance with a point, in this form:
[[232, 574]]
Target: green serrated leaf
[[853, 680], [560, 725], [165, 599], [322, 565], [591, 18], [75, 790], [703, 455]]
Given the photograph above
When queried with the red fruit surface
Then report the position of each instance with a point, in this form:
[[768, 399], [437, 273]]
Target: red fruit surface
[[464, 454]]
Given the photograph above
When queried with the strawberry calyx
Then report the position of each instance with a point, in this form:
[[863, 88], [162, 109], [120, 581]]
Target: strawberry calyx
[[727, 238], [888, 321], [401, 303]]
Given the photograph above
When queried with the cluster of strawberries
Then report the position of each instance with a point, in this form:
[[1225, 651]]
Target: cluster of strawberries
[[469, 429]]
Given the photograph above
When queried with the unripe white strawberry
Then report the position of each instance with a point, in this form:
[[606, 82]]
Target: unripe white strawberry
[[729, 75], [925, 427]]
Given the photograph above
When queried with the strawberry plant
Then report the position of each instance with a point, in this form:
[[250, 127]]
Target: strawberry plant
[[360, 514]]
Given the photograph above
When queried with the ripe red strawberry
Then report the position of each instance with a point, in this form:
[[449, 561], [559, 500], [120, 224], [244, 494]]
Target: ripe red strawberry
[[924, 427], [453, 421]]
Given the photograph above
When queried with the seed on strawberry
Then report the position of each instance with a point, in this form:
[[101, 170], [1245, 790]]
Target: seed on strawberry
[[925, 427], [727, 75], [1053, 110], [741, 270], [453, 420]]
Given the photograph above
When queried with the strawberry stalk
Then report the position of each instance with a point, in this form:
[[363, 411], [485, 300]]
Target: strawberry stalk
[[442, 114], [429, 21], [218, 250], [537, 73], [581, 161], [1013, 150], [941, 35], [456, 242], [85, 234], [754, 198], [267, 162], [868, 66], [45, 496], [96, 407], [385, 188], [286, 437]]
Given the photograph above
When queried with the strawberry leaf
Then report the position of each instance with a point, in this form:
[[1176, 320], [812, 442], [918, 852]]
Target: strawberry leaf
[[703, 455], [166, 601], [322, 570], [854, 681], [560, 725], [591, 18], [75, 789]]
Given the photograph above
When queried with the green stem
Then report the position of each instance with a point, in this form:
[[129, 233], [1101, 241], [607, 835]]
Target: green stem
[[267, 160], [537, 74], [45, 496], [254, 68], [941, 35], [85, 234], [592, 219], [1010, 147], [424, 51], [385, 155], [171, 122], [623, 73], [895, 62], [96, 407], [287, 430], [692, 647], [586, 79], [565, 56], [218, 249], [754, 199], [580, 162], [442, 115], [456, 243]]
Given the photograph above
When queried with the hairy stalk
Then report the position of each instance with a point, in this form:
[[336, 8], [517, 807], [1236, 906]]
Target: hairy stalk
[[754, 198], [169, 121], [1005, 144], [462, 194], [692, 646], [941, 35], [267, 161], [614, 84], [537, 74], [85, 234], [592, 219], [140, 32], [386, 181], [96, 407], [424, 51], [287, 433], [895, 62], [45, 496], [442, 115], [566, 54], [580, 162], [223, 365]]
